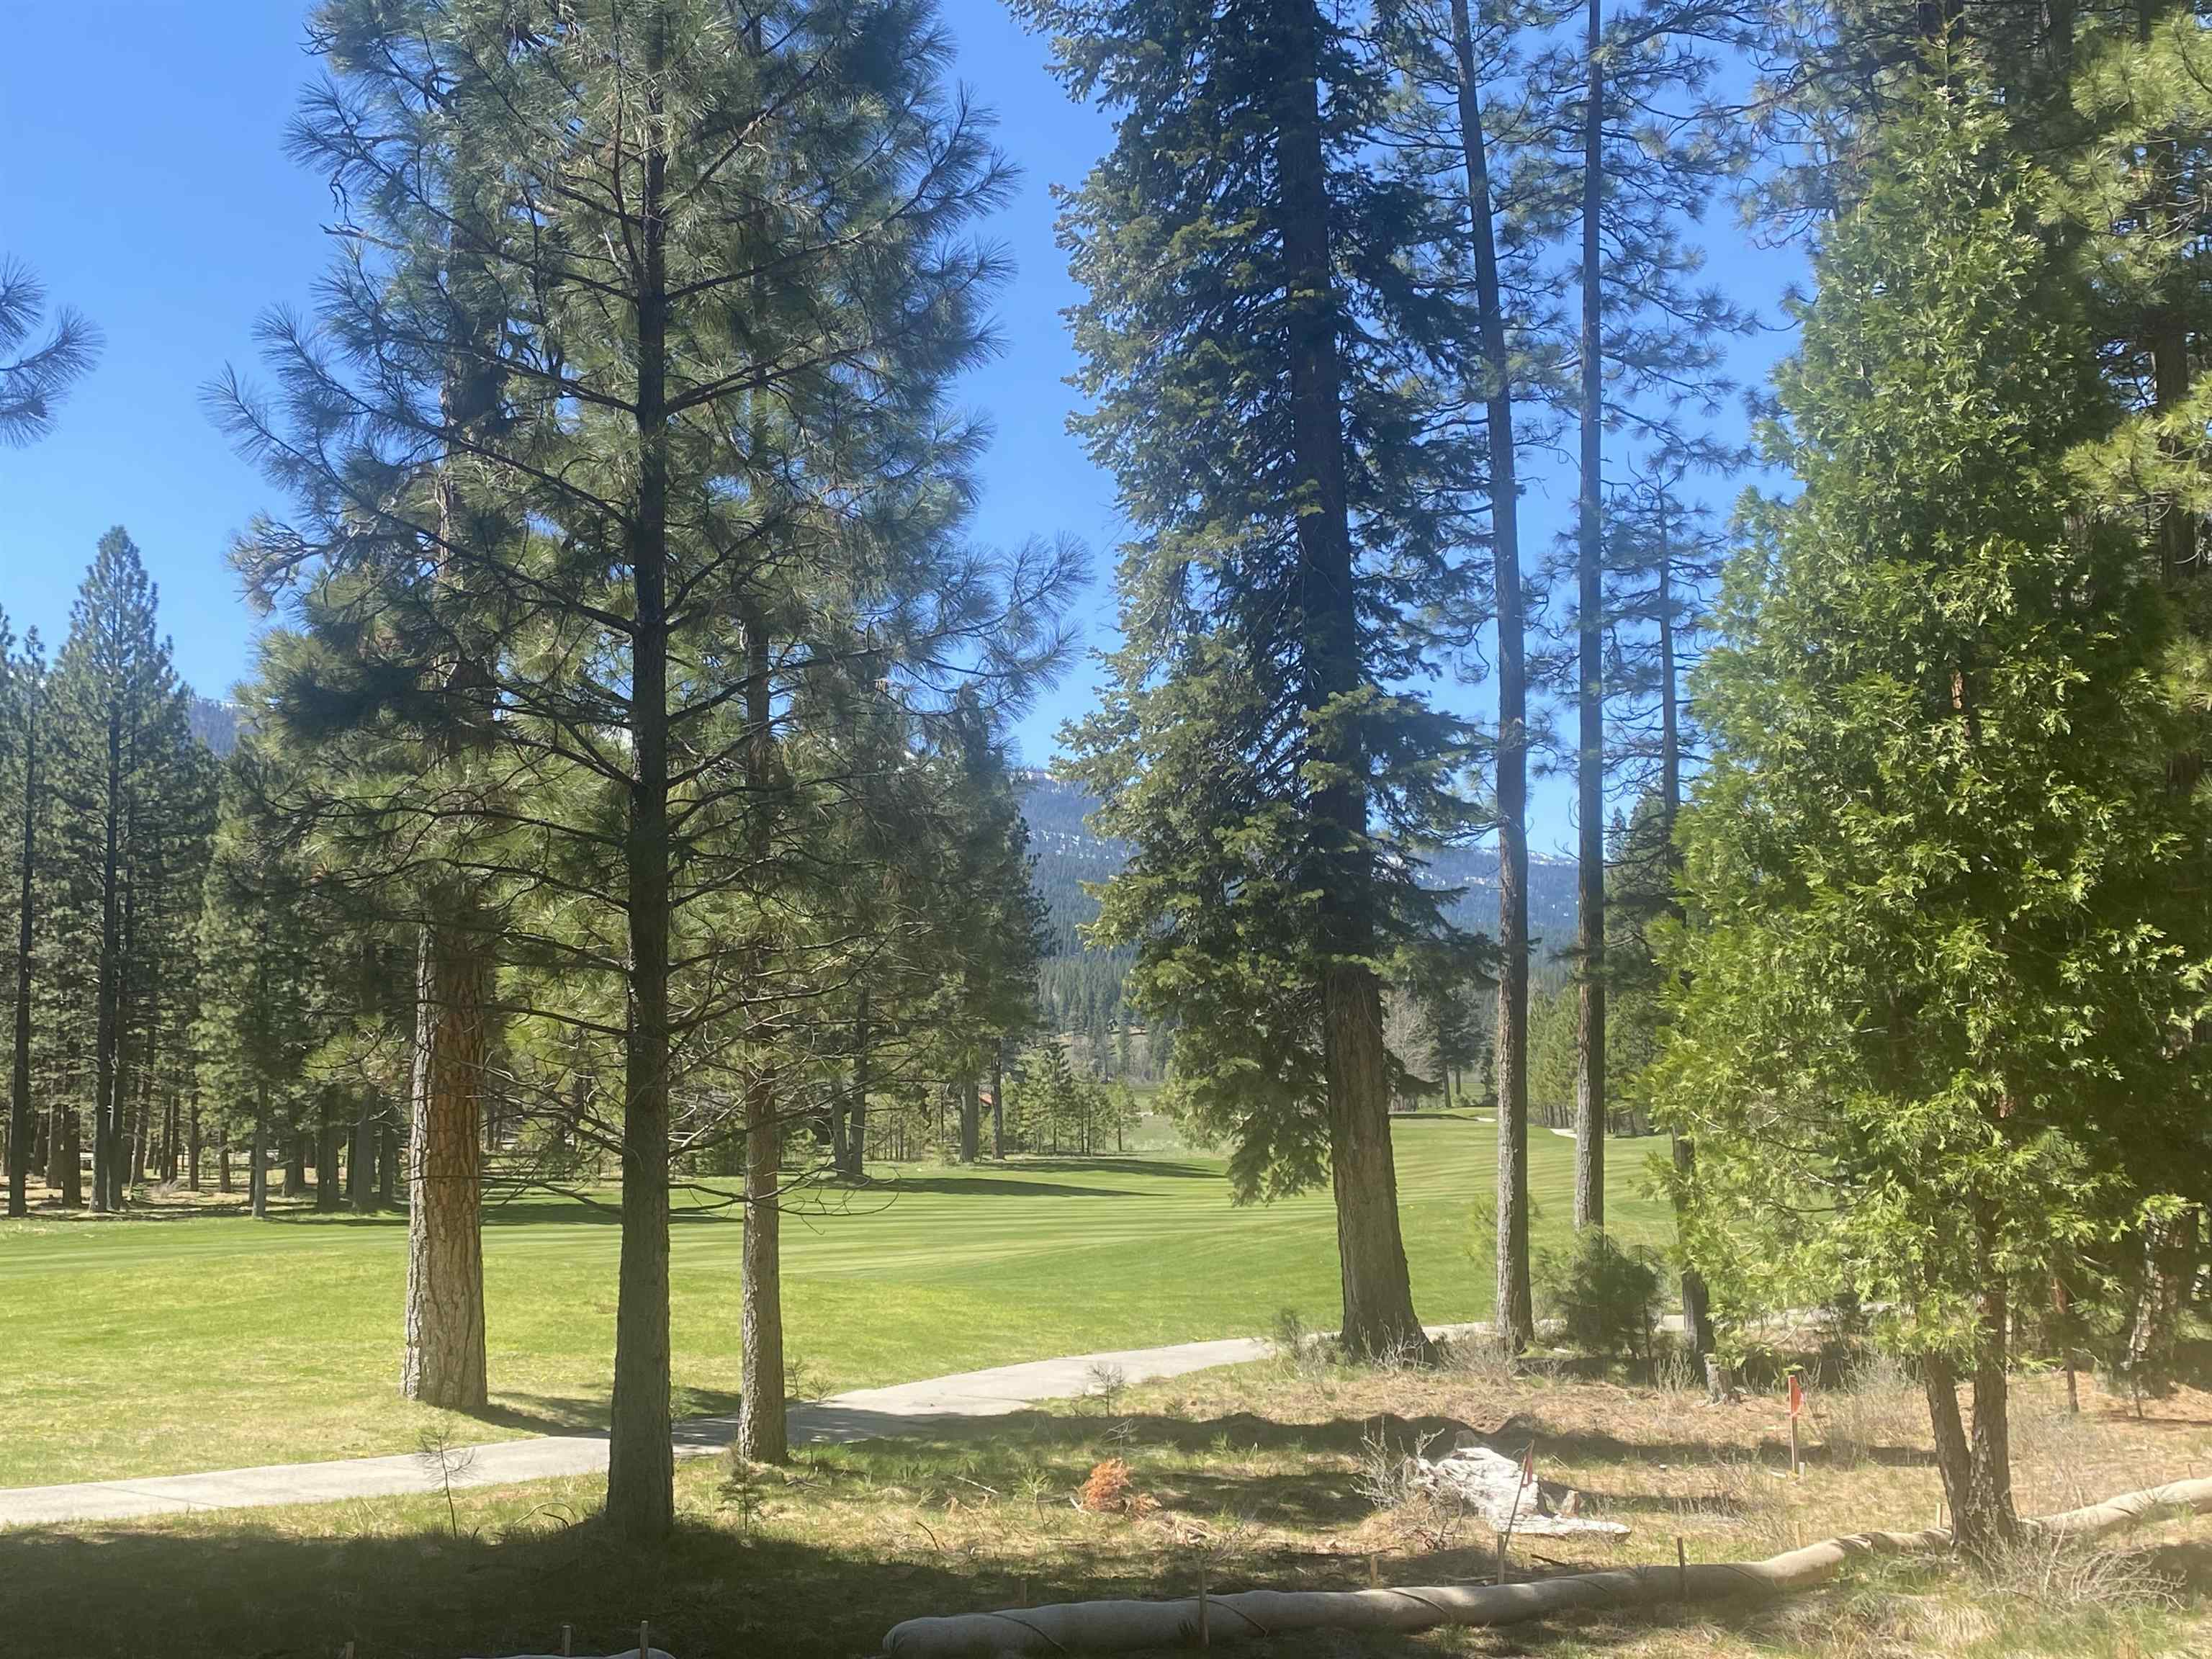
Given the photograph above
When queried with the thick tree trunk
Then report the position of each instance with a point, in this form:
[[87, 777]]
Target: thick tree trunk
[[1516, 1313], [762, 1435], [443, 1360], [971, 1118], [330, 1186], [295, 1165], [360, 1171], [1378, 1298], [1589, 690], [640, 1462]]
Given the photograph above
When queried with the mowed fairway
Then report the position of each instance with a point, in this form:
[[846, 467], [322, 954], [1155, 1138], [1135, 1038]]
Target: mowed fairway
[[157, 1345]]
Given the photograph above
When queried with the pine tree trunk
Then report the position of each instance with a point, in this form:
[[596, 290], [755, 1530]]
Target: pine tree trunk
[[387, 1161], [640, 1461], [295, 1165], [256, 1171], [2169, 1251], [856, 1114], [192, 1147], [999, 1102], [222, 1162], [330, 1186], [763, 1436], [361, 1172], [971, 1118], [19, 1086], [1589, 690], [1377, 1291], [1516, 1313], [443, 1362]]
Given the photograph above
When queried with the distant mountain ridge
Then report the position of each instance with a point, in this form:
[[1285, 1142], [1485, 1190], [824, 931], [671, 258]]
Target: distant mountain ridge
[[213, 722], [1069, 854]]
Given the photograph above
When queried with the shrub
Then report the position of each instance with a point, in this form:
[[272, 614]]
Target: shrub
[[1606, 1297]]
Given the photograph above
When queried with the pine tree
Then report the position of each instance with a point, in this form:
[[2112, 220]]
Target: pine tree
[[1271, 371], [1649, 356], [260, 952], [122, 762], [35, 378], [723, 371], [1944, 922], [1474, 137]]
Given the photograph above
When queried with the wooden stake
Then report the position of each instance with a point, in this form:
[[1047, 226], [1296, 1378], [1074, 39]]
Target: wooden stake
[[1374, 1579], [1796, 1469], [1682, 1568], [644, 1637], [1501, 1558], [568, 1639], [1025, 1590]]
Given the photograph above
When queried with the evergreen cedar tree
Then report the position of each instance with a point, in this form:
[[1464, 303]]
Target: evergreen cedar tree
[[716, 471], [1270, 347], [1929, 1008]]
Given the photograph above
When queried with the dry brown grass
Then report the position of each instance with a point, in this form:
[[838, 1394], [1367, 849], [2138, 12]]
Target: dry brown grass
[[1261, 1474]]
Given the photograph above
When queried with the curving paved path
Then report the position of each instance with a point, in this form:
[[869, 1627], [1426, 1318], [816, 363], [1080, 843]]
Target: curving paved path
[[935, 1404]]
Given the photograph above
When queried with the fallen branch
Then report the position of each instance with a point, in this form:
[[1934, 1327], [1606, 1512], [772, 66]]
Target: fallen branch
[[1113, 1626]]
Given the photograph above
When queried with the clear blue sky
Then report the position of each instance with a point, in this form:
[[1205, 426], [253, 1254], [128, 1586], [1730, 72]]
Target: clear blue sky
[[155, 196]]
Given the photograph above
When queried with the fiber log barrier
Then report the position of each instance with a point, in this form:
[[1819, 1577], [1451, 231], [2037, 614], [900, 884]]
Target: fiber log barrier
[[1114, 1626]]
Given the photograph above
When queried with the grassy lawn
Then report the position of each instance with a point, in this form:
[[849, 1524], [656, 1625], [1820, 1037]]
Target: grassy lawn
[[142, 1346], [1255, 1472]]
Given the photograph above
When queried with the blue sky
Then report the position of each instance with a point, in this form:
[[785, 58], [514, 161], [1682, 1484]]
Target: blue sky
[[155, 196]]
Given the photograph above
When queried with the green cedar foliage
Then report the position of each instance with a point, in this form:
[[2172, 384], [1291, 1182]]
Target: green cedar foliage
[[1943, 939]]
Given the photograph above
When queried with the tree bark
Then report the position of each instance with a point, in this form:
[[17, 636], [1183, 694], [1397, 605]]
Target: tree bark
[[971, 1118], [108, 1036], [329, 1186], [1377, 1291], [256, 1172], [1516, 1313], [641, 1460], [998, 1101], [764, 1436], [856, 1114], [360, 1169], [192, 1146], [442, 1362], [1589, 690]]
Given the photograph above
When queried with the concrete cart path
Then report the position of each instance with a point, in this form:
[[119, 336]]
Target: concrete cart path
[[934, 1405]]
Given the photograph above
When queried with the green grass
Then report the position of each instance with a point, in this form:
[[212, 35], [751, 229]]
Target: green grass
[[146, 1346]]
